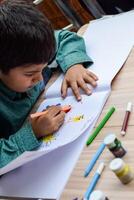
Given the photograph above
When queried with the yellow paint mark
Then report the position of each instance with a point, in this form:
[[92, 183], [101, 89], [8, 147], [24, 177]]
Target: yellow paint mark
[[76, 119], [48, 138]]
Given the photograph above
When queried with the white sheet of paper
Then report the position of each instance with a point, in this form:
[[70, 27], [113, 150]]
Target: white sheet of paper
[[77, 121]]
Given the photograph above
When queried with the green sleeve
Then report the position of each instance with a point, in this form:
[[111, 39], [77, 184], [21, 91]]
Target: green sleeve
[[71, 50], [22, 140]]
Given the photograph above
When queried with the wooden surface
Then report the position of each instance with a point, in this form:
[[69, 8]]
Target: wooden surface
[[122, 92]]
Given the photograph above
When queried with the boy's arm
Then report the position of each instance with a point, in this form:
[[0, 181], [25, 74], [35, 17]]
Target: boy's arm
[[22, 140], [72, 59], [70, 50]]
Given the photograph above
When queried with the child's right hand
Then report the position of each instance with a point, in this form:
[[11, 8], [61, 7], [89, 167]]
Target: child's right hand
[[48, 123]]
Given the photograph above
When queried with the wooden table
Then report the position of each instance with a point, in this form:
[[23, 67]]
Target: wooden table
[[122, 92]]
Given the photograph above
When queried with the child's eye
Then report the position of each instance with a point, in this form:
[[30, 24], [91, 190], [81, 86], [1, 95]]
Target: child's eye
[[29, 75]]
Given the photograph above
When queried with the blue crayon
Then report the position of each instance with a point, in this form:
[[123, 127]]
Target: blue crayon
[[94, 181], [94, 159], [58, 104]]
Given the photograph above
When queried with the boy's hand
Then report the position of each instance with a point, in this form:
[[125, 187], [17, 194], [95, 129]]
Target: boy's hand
[[48, 123], [75, 77]]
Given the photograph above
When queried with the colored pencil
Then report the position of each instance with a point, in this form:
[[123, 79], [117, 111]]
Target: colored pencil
[[100, 126], [94, 159], [126, 118], [65, 109], [94, 181]]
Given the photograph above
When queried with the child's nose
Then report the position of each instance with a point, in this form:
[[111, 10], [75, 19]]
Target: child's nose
[[37, 78]]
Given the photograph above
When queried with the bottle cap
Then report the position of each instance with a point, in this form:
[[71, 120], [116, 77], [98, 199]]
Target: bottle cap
[[109, 140], [97, 195], [116, 164], [129, 106]]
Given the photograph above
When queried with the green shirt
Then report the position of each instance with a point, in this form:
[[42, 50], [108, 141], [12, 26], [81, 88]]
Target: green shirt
[[16, 134]]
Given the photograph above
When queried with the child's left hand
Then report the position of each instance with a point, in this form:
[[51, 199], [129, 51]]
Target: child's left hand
[[75, 77]]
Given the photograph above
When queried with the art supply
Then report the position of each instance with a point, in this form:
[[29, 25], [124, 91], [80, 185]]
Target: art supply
[[58, 104], [100, 126], [126, 118], [114, 145], [94, 181], [122, 170], [65, 109], [94, 159], [97, 195]]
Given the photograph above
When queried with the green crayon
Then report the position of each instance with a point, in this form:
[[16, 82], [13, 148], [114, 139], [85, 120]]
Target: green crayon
[[100, 126]]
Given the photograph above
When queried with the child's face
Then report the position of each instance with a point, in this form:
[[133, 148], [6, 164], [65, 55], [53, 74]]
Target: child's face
[[22, 78]]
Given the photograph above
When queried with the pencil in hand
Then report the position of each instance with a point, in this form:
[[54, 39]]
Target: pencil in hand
[[65, 109]]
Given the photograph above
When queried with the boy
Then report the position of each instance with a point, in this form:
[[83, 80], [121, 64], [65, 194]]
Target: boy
[[27, 45]]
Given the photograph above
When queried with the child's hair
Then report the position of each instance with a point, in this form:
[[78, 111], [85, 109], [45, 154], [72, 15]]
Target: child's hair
[[26, 36]]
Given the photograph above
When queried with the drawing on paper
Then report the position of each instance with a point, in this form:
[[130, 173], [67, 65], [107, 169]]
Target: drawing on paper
[[77, 118], [48, 139]]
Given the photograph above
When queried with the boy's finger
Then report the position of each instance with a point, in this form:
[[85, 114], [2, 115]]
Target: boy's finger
[[60, 118], [54, 110], [92, 75], [90, 80], [75, 90], [84, 86], [64, 88]]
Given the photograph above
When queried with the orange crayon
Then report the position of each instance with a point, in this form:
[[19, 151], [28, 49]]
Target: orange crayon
[[65, 109]]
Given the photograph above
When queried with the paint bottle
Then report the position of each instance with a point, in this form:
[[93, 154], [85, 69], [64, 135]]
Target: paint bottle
[[114, 145], [122, 170], [97, 195]]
